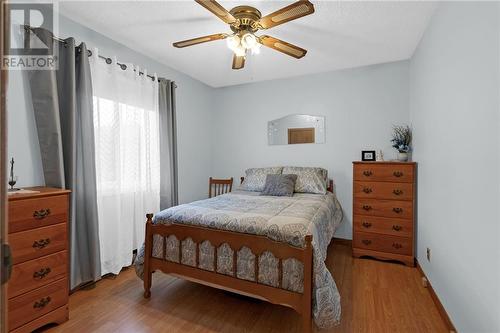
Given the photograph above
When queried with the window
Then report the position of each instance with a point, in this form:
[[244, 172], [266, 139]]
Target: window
[[126, 131]]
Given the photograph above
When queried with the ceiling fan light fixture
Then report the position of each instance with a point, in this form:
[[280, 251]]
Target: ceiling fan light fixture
[[233, 42], [248, 41], [240, 44], [256, 49], [240, 51]]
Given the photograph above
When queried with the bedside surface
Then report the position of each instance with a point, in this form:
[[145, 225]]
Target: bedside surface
[[42, 191]]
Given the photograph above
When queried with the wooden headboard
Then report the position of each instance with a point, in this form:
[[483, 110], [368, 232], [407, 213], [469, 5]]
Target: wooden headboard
[[330, 185], [329, 188]]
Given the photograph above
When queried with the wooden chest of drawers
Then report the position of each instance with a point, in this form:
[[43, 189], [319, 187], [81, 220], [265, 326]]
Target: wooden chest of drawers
[[38, 236], [383, 210]]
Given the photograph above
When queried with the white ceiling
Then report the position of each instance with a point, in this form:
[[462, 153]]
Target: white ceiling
[[338, 35]]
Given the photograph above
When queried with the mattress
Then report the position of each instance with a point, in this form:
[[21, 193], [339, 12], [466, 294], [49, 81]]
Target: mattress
[[283, 219]]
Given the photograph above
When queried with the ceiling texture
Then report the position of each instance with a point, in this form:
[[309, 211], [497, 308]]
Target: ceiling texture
[[340, 34]]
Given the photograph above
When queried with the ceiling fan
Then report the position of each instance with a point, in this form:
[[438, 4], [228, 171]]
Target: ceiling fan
[[245, 21]]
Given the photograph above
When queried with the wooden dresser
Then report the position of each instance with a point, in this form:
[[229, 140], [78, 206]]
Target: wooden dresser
[[38, 236], [383, 210]]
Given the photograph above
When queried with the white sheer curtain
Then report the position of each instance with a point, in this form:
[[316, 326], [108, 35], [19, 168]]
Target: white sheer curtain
[[126, 125]]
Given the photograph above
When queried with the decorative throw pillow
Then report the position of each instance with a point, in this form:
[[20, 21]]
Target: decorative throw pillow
[[280, 185], [309, 180], [255, 178]]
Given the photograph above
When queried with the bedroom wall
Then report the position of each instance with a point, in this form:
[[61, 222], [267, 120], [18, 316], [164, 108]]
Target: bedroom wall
[[194, 100], [360, 106], [454, 109]]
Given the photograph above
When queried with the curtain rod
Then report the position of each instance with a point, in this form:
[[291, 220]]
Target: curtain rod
[[89, 52], [109, 61]]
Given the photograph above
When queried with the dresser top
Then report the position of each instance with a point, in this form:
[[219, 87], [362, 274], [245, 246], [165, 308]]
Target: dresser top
[[382, 162], [41, 191]]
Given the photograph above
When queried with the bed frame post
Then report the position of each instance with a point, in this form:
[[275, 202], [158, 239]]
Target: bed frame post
[[307, 295], [148, 252]]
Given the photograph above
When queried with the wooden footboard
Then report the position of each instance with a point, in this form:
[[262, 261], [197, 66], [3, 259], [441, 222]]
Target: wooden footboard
[[300, 302]]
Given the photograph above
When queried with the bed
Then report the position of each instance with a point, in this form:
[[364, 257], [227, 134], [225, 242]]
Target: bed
[[271, 248]]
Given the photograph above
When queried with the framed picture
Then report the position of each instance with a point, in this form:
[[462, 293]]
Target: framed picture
[[368, 155]]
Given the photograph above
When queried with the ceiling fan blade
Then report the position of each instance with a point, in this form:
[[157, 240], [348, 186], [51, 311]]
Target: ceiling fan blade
[[199, 40], [238, 62], [288, 13], [279, 45], [219, 11]]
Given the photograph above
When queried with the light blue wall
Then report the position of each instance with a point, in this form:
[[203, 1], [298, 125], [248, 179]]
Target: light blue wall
[[360, 106], [223, 131], [22, 135], [454, 108], [194, 105]]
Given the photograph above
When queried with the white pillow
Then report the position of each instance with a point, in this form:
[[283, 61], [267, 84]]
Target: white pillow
[[255, 178], [309, 180]]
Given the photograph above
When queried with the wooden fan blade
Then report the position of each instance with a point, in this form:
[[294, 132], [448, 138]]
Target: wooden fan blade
[[216, 9], [199, 40], [288, 13], [279, 45], [238, 62]]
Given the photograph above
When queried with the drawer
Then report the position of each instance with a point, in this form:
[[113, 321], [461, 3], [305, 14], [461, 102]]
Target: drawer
[[57, 316], [397, 172], [383, 225], [383, 243], [36, 243], [37, 212], [36, 273], [384, 208], [383, 190], [36, 303]]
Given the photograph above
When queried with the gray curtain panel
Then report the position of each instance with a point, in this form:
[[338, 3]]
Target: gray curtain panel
[[63, 107], [168, 144]]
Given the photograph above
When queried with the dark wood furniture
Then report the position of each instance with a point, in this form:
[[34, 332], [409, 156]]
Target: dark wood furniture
[[300, 302], [219, 186], [38, 236], [383, 210]]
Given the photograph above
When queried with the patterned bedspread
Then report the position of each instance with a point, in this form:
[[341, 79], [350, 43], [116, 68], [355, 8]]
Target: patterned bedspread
[[284, 219]]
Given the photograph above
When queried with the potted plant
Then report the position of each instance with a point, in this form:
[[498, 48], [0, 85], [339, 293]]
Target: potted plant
[[401, 140]]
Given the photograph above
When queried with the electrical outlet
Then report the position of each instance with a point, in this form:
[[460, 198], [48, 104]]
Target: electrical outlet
[[428, 254], [425, 282]]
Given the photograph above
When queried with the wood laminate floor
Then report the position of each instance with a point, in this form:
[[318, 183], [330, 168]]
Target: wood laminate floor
[[376, 297]]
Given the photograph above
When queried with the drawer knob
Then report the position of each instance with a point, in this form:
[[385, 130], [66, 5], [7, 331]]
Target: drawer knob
[[42, 303], [367, 190], [40, 244], [366, 241], [396, 227], [397, 246], [42, 273], [397, 210], [397, 174], [367, 207], [367, 224], [367, 173], [397, 192], [41, 214]]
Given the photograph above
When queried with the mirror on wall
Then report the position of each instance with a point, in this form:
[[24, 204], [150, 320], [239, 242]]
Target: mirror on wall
[[296, 129]]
